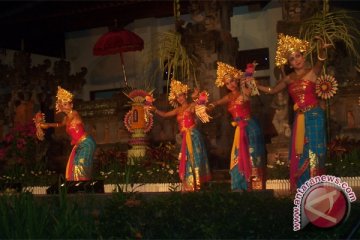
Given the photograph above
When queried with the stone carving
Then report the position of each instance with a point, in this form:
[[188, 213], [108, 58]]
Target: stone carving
[[24, 79], [208, 37], [280, 119]]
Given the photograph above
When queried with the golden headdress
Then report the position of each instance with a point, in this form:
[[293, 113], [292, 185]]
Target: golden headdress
[[63, 96], [223, 70], [176, 88], [287, 45]]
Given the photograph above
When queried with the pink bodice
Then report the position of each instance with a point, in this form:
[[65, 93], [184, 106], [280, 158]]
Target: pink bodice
[[76, 132], [185, 120], [239, 109], [303, 93]]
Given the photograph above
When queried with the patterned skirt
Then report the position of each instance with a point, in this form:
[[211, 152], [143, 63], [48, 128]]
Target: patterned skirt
[[197, 169], [256, 148], [312, 161], [79, 165]]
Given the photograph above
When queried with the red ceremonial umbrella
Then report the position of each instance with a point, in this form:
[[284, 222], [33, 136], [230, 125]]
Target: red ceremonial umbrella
[[118, 41]]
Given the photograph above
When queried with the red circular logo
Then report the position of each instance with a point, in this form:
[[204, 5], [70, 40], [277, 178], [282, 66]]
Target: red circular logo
[[325, 206]]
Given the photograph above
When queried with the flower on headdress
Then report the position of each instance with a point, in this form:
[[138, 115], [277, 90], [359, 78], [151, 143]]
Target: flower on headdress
[[149, 99], [176, 88], [223, 70], [326, 86], [286, 45]]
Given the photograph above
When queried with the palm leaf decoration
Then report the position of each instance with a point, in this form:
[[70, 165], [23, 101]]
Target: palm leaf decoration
[[174, 58], [335, 26]]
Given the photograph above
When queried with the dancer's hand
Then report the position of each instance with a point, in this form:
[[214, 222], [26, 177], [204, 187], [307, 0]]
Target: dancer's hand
[[195, 94]]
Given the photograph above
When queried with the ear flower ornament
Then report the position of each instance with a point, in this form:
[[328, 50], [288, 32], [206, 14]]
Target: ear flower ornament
[[326, 86]]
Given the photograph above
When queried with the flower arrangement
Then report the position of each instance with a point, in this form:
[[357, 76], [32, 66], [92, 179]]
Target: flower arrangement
[[141, 103], [22, 157], [19, 145]]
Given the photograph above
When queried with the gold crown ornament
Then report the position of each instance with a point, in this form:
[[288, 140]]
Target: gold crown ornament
[[63, 96], [225, 70], [176, 88], [287, 45]]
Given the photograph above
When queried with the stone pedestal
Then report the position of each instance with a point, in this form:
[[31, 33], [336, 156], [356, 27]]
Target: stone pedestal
[[278, 150]]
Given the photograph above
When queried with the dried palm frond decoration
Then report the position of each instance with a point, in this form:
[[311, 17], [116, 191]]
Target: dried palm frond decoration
[[174, 59], [332, 26], [326, 86]]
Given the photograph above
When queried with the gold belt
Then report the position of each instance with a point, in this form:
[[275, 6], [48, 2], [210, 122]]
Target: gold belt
[[187, 128], [307, 108]]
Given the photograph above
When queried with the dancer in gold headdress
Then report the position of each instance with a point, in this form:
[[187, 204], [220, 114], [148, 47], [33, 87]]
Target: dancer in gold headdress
[[247, 161], [193, 168], [79, 165], [308, 144]]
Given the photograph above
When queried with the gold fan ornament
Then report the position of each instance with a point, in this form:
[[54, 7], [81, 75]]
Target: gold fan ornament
[[326, 86]]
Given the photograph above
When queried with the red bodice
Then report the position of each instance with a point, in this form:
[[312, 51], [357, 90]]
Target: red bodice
[[239, 109], [185, 119], [76, 132], [303, 93]]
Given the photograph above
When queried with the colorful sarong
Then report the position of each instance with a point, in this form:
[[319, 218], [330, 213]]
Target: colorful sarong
[[311, 162], [79, 165]]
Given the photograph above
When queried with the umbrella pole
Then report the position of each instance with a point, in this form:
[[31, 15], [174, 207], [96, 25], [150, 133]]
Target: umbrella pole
[[123, 68]]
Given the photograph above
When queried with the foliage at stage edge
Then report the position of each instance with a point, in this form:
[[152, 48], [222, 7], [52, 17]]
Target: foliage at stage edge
[[160, 165], [343, 160], [210, 214], [23, 216]]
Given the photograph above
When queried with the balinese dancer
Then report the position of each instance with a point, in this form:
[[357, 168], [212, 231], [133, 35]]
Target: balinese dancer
[[308, 141], [194, 169], [80, 162], [247, 161]]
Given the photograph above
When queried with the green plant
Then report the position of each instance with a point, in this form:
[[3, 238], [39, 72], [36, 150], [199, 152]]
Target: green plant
[[158, 166], [22, 217], [23, 157], [345, 155], [19, 146], [280, 170]]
